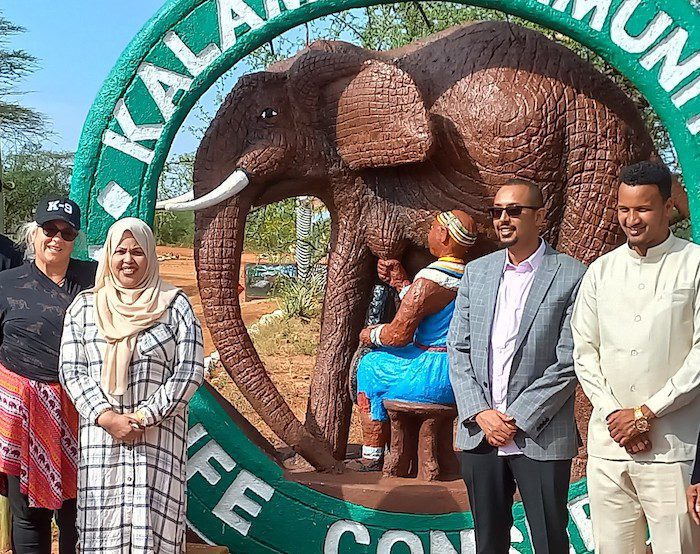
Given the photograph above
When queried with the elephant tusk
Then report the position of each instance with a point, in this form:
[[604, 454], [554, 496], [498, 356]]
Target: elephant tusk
[[177, 200], [233, 184]]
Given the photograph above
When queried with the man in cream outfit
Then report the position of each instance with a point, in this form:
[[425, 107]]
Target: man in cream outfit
[[636, 329]]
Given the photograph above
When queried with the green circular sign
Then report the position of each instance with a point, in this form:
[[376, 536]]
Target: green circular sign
[[239, 497]]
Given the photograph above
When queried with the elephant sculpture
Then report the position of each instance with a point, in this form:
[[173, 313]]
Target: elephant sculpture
[[386, 139]]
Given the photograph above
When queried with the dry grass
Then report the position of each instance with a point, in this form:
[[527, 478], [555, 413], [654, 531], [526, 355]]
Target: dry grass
[[288, 337]]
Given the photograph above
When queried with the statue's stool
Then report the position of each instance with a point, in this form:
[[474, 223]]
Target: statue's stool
[[421, 440]]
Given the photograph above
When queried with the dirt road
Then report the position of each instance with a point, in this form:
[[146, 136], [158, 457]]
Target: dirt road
[[177, 267]]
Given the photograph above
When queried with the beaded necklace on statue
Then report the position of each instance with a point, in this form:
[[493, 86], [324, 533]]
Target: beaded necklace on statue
[[451, 259]]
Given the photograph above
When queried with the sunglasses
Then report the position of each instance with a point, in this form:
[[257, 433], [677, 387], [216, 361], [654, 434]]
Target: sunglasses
[[68, 234], [513, 211]]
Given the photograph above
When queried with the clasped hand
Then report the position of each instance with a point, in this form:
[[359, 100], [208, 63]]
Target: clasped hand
[[622, 428], [365, 339], [120, 426], [499, 428], [392, 273], [693, 498]]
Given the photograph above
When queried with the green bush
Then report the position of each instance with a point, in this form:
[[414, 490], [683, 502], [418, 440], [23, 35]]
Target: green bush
[[300, 298], [174, 228], [271, 230], [683, 230]]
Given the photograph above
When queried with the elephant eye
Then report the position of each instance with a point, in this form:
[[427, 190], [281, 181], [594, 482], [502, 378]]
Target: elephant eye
[[268, 113]]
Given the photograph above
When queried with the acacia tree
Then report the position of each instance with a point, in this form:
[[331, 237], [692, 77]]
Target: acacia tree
[[18, 124], [28, 175], [22, 130]]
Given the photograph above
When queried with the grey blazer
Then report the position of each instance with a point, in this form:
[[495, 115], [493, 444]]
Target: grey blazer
[[542, 379]]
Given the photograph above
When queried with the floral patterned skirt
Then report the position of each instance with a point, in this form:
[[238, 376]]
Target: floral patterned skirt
[[38, 439]]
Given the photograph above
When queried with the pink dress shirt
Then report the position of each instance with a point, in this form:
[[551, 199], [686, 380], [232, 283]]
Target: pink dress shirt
[[516, 282]]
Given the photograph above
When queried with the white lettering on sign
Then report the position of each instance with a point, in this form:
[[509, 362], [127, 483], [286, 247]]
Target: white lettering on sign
[[235, 496], [130, 148], [582, 521], [199, 462], [673, 71], [687, 93], [195, 63], [641, 42], [516, 537], [669, 51], [390, 538], [272, 7], [194, 434], [163, 85], [114, 199], [132, 131], [335, 532], [694, 124], [127, 143], [228, 23], [581, 8], [440, 544]]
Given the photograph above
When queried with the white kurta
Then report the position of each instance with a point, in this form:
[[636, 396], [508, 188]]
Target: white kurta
[[131, 496], [636, 328]]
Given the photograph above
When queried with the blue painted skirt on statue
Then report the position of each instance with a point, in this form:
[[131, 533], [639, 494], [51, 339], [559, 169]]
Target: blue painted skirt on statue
[[409, 373]]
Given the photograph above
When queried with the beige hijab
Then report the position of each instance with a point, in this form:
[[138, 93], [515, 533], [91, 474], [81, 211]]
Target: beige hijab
[[122, 313]]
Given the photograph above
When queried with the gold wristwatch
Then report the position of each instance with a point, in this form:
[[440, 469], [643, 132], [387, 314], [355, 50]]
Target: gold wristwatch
[[140, 416], [641, 423]]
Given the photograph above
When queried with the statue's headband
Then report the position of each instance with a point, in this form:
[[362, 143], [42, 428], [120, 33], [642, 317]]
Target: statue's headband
[[457, 231]]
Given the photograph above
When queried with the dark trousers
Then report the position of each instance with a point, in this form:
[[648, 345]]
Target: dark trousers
[[31, 527], [491, 481]]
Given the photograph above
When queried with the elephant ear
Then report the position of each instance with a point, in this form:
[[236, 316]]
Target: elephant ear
[[381, 119]]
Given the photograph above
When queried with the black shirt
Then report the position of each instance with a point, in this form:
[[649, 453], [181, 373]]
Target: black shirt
[[10, 256], [32, 308]]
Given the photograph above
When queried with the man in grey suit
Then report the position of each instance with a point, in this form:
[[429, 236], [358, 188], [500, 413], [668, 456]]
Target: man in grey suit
[[511, 369]]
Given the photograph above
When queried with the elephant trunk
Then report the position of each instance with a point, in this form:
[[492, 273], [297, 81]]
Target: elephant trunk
[[218, 247]]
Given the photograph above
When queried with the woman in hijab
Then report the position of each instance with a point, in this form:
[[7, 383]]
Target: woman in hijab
[[131, 358]]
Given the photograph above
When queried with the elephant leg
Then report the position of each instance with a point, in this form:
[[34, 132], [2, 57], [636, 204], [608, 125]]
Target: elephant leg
[[589, 226], [350, 278]]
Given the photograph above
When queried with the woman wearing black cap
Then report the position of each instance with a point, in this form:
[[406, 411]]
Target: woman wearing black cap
[[38, 423]]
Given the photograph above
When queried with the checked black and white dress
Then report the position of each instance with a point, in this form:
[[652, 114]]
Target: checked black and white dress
[[131, 495]]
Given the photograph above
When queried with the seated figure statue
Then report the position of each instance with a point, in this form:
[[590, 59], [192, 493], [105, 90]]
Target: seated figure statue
[[409, 361]]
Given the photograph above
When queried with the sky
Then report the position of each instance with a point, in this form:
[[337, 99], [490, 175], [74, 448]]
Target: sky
[[77, 42]]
